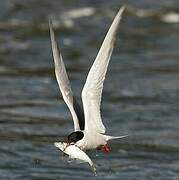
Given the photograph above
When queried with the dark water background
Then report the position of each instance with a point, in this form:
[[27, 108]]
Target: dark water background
[[141, 92]]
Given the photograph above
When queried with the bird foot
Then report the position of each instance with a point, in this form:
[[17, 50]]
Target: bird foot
[[104, 148]]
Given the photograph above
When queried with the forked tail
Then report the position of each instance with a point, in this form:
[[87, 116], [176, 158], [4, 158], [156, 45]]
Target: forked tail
[[115, 137]]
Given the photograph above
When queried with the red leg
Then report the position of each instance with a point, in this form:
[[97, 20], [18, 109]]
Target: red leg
[[104, 148]]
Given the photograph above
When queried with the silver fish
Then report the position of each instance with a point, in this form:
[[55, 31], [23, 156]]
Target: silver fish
[[75, 152]]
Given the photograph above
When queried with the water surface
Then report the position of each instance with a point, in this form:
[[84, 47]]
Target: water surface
[[140, 98]]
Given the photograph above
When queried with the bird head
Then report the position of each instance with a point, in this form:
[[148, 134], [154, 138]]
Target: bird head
[[75, 136]]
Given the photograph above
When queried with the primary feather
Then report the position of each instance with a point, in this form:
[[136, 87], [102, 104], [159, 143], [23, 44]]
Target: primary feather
[[62, 77], [92, 91]]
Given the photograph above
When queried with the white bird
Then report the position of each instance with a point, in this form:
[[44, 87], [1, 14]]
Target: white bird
[[89, 130]]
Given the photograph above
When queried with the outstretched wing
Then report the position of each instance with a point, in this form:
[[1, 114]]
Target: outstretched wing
[[92, 91], [63, 81]]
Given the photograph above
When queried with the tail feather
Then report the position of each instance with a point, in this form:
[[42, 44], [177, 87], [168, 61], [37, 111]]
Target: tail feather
[[115, 137]]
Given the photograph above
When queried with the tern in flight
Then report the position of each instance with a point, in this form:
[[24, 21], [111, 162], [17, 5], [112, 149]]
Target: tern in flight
[[89, 130]]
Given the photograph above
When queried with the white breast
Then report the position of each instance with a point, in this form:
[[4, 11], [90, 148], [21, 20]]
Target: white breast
[[91, 140]]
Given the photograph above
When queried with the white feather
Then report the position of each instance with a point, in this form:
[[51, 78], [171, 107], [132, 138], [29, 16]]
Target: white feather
[[115, 137], [62, 77], [92, 91]]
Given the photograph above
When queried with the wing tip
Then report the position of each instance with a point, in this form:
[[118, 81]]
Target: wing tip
[[50, 21], [121, 10], [123, 7], [50, 25]]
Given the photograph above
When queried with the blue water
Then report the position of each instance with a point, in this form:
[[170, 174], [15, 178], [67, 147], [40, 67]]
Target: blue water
[[140, 97]]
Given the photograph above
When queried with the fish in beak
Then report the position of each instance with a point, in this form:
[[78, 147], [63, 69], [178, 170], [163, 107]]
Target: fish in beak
[[75, 152]]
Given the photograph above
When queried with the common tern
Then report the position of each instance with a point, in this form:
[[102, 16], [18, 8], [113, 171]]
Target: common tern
[[89, 130]]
